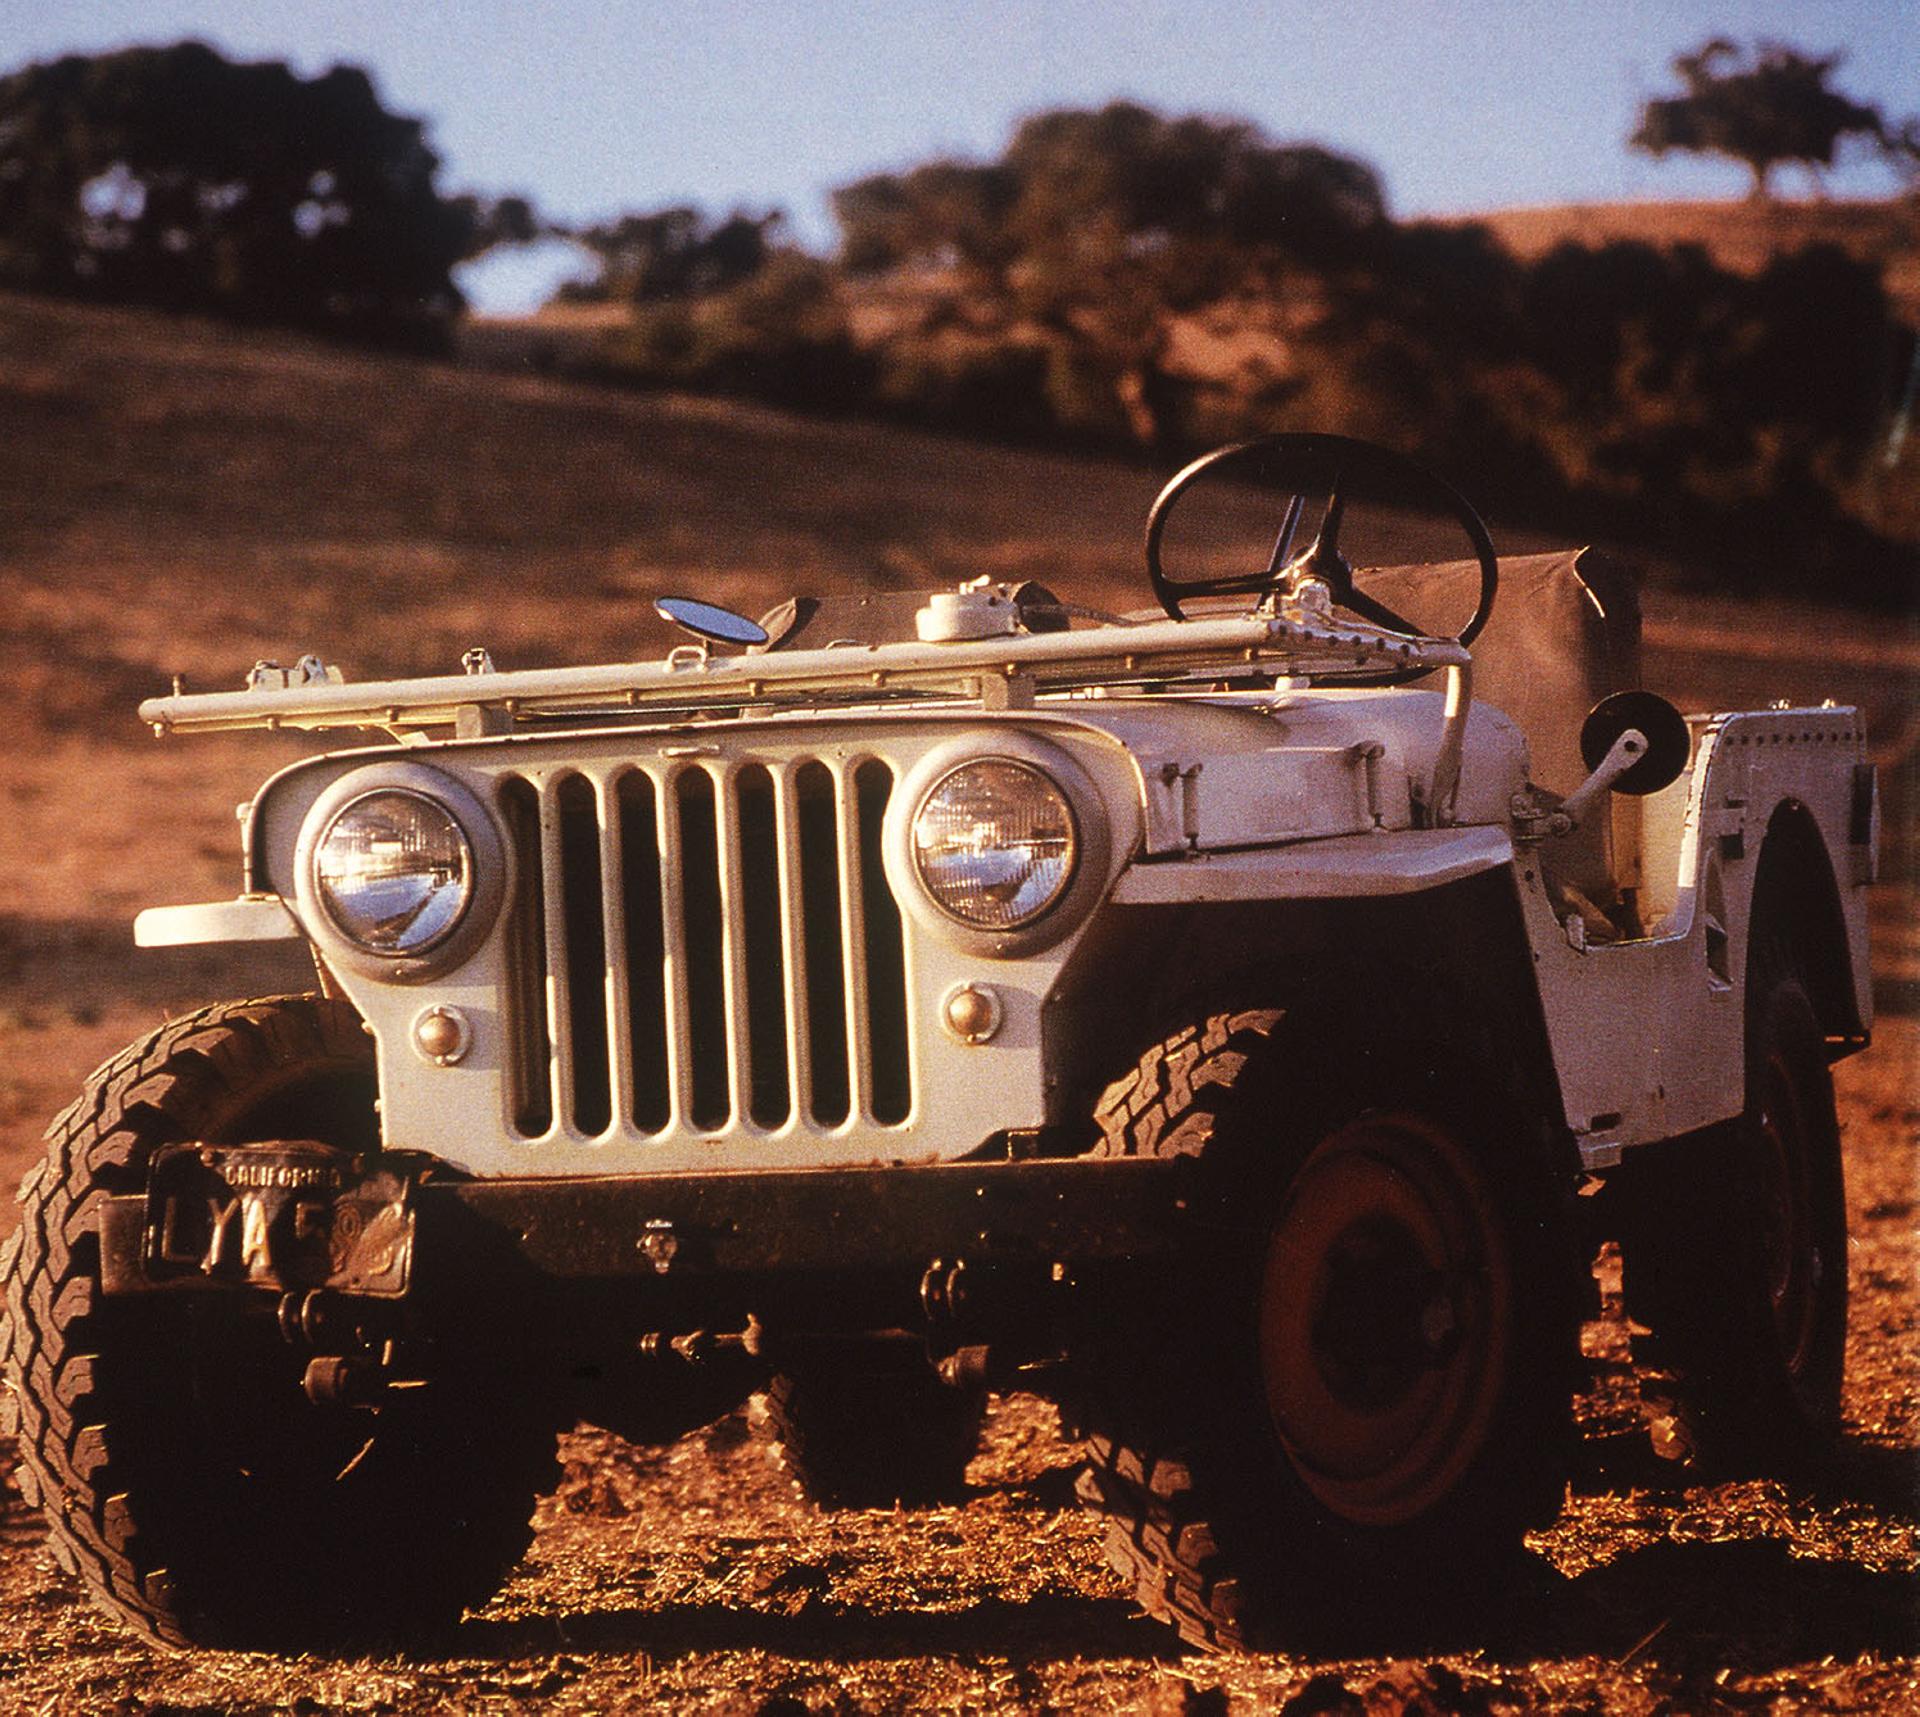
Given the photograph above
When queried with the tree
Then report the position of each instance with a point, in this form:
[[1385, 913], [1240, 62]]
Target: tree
[[1762, 107], [673, 253], [1099, 228], [946, 214], [1902, 145], [779, 333], [172, 176], [496, 222]]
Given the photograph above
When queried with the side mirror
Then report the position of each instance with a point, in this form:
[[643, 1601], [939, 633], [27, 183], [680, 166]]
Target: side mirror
[[707, 621], [1634, 742], [1667, 741]]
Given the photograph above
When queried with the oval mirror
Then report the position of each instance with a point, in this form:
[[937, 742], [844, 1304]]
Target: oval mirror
[[707, 620], [1669, 739]]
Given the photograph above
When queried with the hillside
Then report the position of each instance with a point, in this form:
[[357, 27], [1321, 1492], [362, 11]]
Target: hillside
[[1741, 236], [178, 498], [1736, 378]]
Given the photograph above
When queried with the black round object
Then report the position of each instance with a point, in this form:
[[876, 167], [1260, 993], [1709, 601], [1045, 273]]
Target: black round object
[[856, 1433], [1669, 739], [185, 1474], [1736, 1259], [1356, 1390]]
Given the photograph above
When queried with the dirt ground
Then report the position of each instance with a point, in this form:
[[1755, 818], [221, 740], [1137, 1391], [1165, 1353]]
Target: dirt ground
[[692, 1578], [180, 501]]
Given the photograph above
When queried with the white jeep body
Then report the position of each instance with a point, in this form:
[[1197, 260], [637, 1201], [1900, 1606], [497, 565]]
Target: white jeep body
[[1206, 816]]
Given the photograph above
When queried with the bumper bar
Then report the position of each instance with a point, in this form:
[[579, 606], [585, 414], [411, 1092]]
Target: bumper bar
[[689, 1226]]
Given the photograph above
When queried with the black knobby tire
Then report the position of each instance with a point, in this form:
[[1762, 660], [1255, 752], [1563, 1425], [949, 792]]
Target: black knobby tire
[[1735, 1256], [1309, 1419], [860, 1432], [185, 1476]]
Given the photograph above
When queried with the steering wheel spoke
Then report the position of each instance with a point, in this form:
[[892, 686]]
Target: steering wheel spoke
[[1241, 584], [1357, 601]]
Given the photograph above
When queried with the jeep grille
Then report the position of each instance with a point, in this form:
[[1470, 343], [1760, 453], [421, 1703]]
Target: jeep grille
[[704, 946]]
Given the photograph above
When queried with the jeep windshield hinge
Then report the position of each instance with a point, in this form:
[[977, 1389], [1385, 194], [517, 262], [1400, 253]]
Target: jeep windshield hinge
[[1443, 791]]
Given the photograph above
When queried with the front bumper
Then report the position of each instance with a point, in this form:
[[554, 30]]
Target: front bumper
[[286, 1218]]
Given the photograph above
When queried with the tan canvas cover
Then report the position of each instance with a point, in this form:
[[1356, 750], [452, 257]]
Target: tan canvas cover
[[1565, 632]]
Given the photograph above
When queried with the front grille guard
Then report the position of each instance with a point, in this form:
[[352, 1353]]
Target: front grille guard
[[702, 945]]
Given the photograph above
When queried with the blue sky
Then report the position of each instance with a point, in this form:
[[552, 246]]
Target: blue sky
[[592, 106]]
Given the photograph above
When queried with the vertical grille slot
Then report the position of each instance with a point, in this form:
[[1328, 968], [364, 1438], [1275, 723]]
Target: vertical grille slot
[[645, 949], [703, 927], [529, 1047], [826, 989], [884, 954], [770, 1093], [586, 961]]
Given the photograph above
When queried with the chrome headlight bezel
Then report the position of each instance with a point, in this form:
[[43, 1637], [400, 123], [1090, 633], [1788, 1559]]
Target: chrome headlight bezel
[[1070, 903], [487, 872], [1048, 792], [446, 922]]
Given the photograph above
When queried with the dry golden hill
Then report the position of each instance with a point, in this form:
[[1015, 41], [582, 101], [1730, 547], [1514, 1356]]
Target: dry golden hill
[[1740, 236]]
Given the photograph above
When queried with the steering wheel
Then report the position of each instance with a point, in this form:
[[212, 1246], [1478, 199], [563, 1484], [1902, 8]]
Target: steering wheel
[[1334, 466]]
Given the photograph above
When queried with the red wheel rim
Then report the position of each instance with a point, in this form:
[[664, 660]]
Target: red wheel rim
[[1385, 1317]]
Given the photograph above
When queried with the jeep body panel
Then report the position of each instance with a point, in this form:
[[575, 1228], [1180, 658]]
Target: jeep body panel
[[1648, 1032], [1292, 795]]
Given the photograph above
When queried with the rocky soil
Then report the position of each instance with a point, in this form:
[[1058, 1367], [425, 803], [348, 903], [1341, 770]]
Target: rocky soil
[[693, 1578]]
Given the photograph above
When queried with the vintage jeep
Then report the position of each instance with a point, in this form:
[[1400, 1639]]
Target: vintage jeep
[[1246, 1023]]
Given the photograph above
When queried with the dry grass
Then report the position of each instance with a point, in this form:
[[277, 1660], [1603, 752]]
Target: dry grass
[[1740, 236]]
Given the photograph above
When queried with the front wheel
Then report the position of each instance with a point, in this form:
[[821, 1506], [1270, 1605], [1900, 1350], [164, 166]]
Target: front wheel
[[184, 1473], [1358, 1388]]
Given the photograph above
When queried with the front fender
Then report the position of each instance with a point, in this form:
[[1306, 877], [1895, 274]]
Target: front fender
[[1344, 867]]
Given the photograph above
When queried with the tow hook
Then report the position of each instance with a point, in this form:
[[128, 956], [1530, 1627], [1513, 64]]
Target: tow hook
[[696, 1347]]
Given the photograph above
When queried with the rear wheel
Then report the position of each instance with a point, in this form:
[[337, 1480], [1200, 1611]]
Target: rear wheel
[[1358, 1387], [185, 1475], [1736, 1256]]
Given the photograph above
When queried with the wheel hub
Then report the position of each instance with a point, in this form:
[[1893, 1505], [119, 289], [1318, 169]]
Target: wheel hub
[[1384, 1317]]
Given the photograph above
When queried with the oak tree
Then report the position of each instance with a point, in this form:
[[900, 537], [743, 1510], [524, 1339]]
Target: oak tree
[[173, 176], [1764, 107]]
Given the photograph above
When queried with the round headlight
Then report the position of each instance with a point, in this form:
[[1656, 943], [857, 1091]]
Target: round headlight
[[394, 871], [994, 843]]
